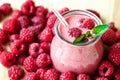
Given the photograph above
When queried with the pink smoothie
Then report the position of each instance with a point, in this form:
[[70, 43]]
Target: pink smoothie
[[69, 57]]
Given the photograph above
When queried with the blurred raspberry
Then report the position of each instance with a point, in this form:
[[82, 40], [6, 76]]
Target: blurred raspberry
[[63, 10], [45, 46], [14, 37], [3, 36], [31, 76], [116, 75], [101, 78], [1, 49], [40, 72], [112, 26], [94, 12], [83, 77], [21, 58], [51, 21], [118, 36], [16, 14], [41, 11]]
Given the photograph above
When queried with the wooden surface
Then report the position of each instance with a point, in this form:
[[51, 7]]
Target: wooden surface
[[108, 9]]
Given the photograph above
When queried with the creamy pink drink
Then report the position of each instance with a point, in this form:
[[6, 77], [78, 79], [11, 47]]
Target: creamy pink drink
[[79, 58]]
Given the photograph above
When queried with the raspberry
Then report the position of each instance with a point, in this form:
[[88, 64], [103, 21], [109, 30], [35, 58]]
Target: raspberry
[[1, 49], [6, 8], [105, 69], [43, 60], [74, 32], [112, 26], [94, 12], [83, 77], [15, 73], [63, 10], [3, 36], [114, 56], [116, 75], [35, 49], [51, 21], [30, 64], [7, 58], [16, 14], [67, 76], [114, 46], [109, 37], [41, 72], [23, 21], [21, 58], [101, 78], [26, 35], [51, 74], [41, 11], [88, 23], [1, 15], [17, 47], [14, 37], [118, 36], [31, 76], [45, 46], [49, 14], [46, 35], [28, 8], [11, 26]]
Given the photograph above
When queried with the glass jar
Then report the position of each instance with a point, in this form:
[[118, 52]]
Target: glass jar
[[78, 58]]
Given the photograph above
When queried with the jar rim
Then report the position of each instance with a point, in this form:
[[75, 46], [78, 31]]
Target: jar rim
[[80, 12]]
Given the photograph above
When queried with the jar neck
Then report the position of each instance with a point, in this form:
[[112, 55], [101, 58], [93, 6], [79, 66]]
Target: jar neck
[[78, 12]]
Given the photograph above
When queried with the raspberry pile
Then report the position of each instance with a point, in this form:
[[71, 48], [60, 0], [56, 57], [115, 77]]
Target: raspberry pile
[[29, 34]]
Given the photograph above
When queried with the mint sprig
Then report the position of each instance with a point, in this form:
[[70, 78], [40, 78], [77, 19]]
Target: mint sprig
[[79, 39]]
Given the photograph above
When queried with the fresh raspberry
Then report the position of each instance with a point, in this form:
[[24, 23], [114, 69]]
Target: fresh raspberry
[[21, 58], [39, 20], [83, 77], [67, 76], [118, 36], [109, 37], [14, 37], [3, 36], [17, 47], [23, 21], [1, 49], [11, 26], [35, 49], [30, 64], [116, 75], [7, 58], [87, 23], [1, 16], [101, 78], [16, 14], [6, 8], [74, 32], [51, 74], [43, 60], [31, 76], [45, 46], [28, 8], [49, 14], [94, 12], [41, 11], [105, 69], [114, 56], [46, 35], [41, 72], [51, 21], [15, 73], [63, 10], [26, 35], [114, 46], [112, 26]]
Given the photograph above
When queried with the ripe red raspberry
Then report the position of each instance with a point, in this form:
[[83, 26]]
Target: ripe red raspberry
[[94, 12], [116, 75], [51, 21], [30, 64], [112, 26], [1, 49], [114, 46], [17, 47], [51, 74], [11, 26], [114, 56], [15, 73], [46, 35], [35, 49], [109, 37], [7, 59], [6, 8], [67, 76], [31, 76], [43, 60], [74, 32], [26, 35], [106, 69], [45, 46], [49, 14], [101, 78], [40, 72], [83, 77], [41, 11], [63, 10], [3, 36], [87, 23], [118, 36], [28, 8], [16, 14], [14, 37], [23, 21], [21, 58], [1, 15]]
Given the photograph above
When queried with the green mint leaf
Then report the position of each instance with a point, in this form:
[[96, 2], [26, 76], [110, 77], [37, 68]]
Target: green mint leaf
[[79, 39], [100, 29], [87, 34]]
